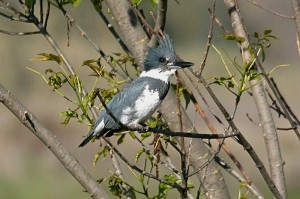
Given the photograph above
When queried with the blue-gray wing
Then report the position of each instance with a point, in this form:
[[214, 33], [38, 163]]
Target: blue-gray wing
[[128, 97], [123, 101]]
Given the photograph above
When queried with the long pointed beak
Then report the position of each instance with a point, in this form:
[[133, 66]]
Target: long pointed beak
[[183, 64], [180, 64]]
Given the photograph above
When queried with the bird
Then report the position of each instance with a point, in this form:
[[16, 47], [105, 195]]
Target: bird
[[136, 102]]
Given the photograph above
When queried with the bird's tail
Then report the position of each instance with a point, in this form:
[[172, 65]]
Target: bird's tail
[[87, 139]]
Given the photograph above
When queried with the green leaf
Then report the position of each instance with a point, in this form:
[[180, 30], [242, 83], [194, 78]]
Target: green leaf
[[101, 180], [74, 3], [164, 188], [77, 83], [152, 122], [138, 154], [68, 114], [266, 32], [121, 139], [114, 185], [132, 134], [56, 80], [85, 103], [187, 97], [103, 152], [153, 3], [263, 54], [230, 84], [79, 121], [30, 4], [256, 35], [97, 5], [271, 36], [190, 185], [49, 57], [136, 2], [66, 121], [234, 38], [145, 135], [83, 117], [254, 75]]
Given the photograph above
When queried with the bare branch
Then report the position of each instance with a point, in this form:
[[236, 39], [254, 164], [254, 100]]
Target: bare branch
[[98, 9], [161, 15], [131, 32], [270, 11], [209, 36], [224, 146], [249, 185], [97, 48], [118, 172], [141, 171], [242, 140], [19, 33], [52, 143], [47, 14], [289, 114], [268, 126]]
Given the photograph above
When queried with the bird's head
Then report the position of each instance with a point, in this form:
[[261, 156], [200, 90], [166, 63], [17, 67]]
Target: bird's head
[[163, 57]]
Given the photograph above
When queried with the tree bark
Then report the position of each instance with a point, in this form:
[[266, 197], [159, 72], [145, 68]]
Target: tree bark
[[136, 41], [53, 144], [198, 154], [264, 112], [130, 28]]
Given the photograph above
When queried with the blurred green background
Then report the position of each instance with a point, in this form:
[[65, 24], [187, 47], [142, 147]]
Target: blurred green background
[[29, 170]]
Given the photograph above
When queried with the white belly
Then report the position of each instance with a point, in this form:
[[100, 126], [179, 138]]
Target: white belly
[[144, 107]]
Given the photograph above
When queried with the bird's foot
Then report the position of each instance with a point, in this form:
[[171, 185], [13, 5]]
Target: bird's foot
[[137, 127]]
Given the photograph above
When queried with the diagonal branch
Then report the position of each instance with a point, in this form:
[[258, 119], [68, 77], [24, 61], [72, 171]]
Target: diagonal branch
[[264, 112], [135, 39], [242, 140], [53, 144]]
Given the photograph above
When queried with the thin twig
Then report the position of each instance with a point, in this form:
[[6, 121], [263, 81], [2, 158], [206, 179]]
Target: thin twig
[[160, 20], [19, 33], [275, 182], [249, 185], [13, 18], [141, 171], [270, 11], [98, 49], [278, 96], [127, 190], [212, 157], [47, 14], [274, 104], [167, 164], [209, 36], [285, 104], [184, 166], [41, 11], [12, 10], [212, 129], [242, 140], [114, 33]]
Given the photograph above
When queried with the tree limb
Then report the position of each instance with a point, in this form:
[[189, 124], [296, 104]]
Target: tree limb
[[52, 143], [131, 31], [269, 130], [135, 39]]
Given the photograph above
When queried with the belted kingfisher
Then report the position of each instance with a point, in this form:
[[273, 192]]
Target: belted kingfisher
[[139, 99]]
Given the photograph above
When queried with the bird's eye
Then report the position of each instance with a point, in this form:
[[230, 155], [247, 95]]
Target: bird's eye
[[162, 59]]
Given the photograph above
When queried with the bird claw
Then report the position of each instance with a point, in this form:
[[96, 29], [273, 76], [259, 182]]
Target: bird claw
[[138, 127]]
